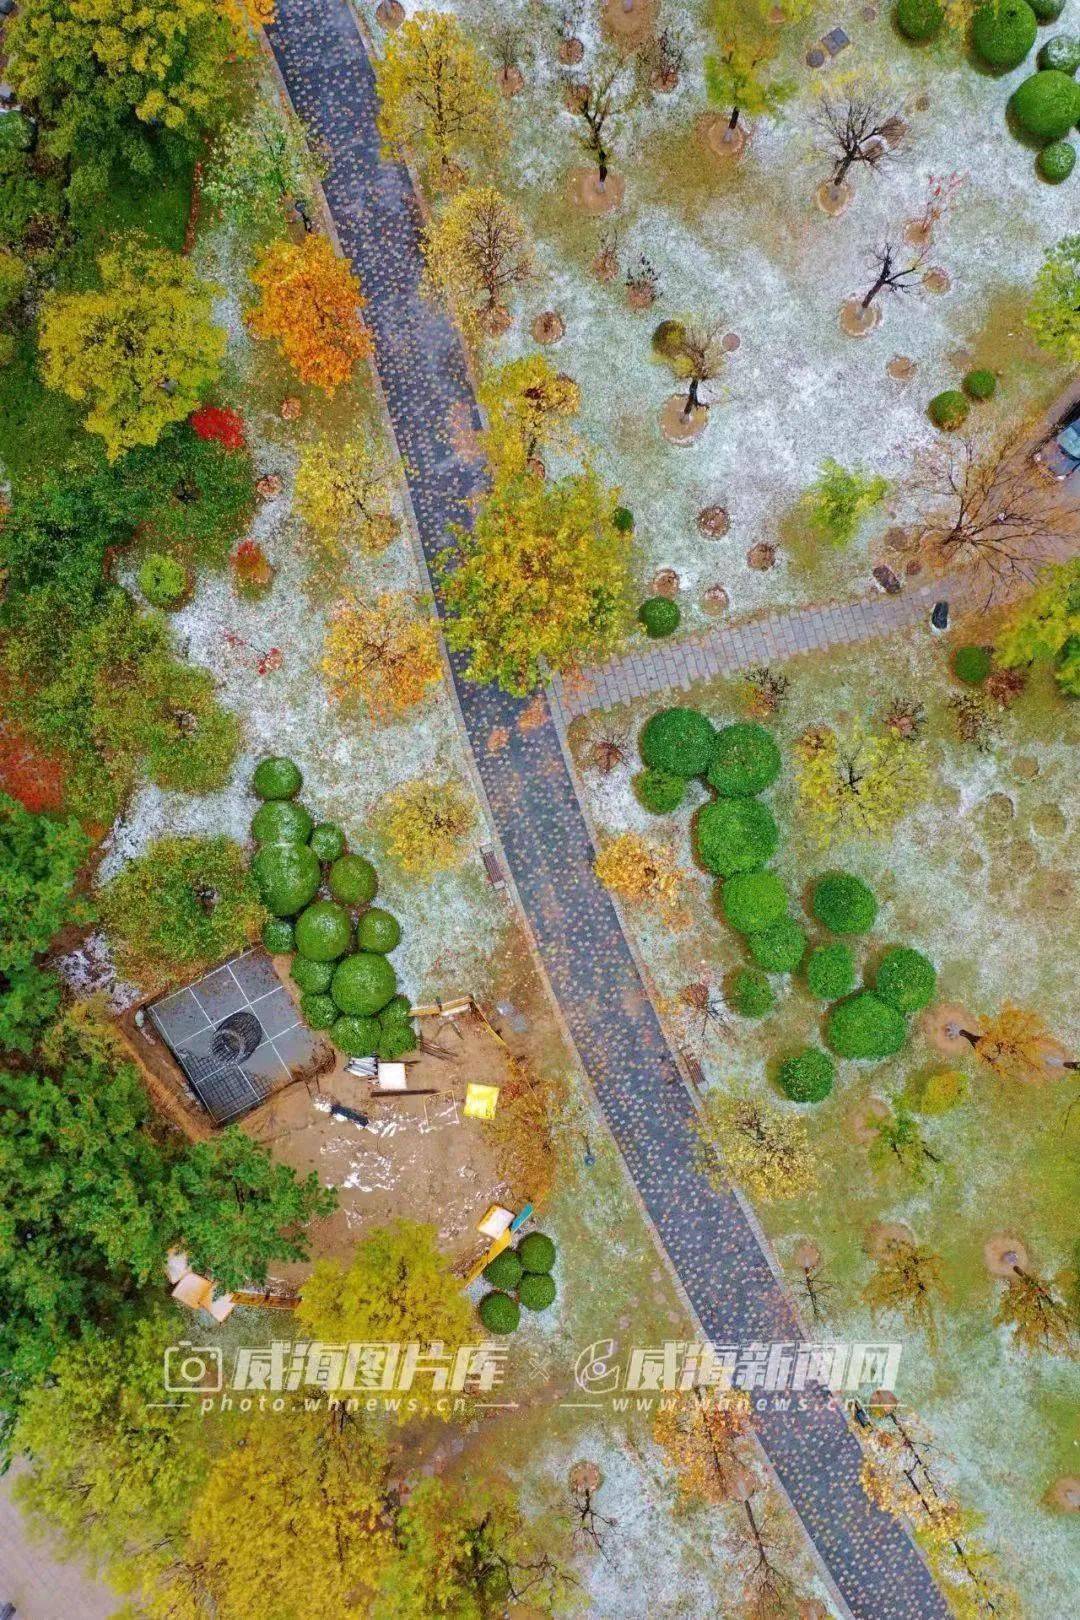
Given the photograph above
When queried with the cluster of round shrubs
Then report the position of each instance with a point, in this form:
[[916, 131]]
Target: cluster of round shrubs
[[339, 938], [949, 409], [520, 1276]]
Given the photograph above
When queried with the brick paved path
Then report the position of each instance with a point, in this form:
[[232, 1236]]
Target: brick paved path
[[706, 1234]]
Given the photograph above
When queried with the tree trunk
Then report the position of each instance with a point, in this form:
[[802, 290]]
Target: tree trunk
[[601, 158], [840, 172], [734, 119], [872, 294], [692, 400]]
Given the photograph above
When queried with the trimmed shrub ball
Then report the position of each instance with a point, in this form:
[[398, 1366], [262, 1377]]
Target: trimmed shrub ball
[[660, 616], [377, 930], [1002, 32], [499, 1313], [948, 410], [318, 1010], [1046, 105], [750, 994], [357, 1037], [753, 901], [864, 1027], [281, 821], [844, 904], [780, 947], [396, 1037], [276, 778], [163, 581], [919, 20], [905, 979], [536, 1292], [536, 1252], [1047, 11], [679, 741], [807, 1076], [623, 519], [505, 1271], [830, 972], [352, 880], [1056, 162], [322, 931], [980, 384], [287, 877], [328, 841], [745, 759], [278, 936], [971, 664], [363, 984], [1062, 52], [735, 835], [313, 977], [659, 792]]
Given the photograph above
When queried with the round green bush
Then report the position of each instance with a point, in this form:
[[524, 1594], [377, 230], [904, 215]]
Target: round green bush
[[735, 835], [287, 877], [281, 821], [352, 880], [679, 741], [659, 792], [1002, 32], [276, 778], [807, 1076], [363, 983], [1047, 11], [357, 1037], [864, 1026], [318, 1010], [278, 936], [505, 1271], [669, 340], [971, 664], [843, 903], [163, 581], [535, 1292], [536, 1252], [322, 931], [750, 994], [980, 384], [377, 930], [905, 979], [1056, 162], [660, 616], [623, 519], [753, 901], [313, 977], [1062, 53], [1046, 105], [328, 841], [780, 947], [499, 1313], [744, 760], [948, 410], [919, 20], [830, 971], [396, 1037]]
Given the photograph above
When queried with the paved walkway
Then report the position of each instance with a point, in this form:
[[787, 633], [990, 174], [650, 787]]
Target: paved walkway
[[39, 1585], [706, 1234]]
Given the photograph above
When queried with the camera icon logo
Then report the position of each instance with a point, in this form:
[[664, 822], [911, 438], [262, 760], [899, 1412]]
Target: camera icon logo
[[190, 1367]]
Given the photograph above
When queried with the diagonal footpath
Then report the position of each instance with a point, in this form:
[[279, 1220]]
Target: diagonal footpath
[[706, 1234]]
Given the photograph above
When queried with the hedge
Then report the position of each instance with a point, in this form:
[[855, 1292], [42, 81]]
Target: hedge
[[679, 741], [278, 936], [919, 20], [536, 1292], [536, 1252], [276, 778], [323, 931], [745, 759], [735, 835], [281, 821], [363, 984], [750, 994], [843, 903], [505, 1271], [328, 841], [287, 877], [1046, 105], [318, 1009], [807, 1076], [499, 1313], [357, 1037], [377, 930], [905, 978], [659, 616], [780, 947], [1002, 33], [752, 901], [659, 792], [311, 976], [352, 880], [864, 1026], [830, 971]]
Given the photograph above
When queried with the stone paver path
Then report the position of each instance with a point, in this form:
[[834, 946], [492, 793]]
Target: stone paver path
[[705, 1233]]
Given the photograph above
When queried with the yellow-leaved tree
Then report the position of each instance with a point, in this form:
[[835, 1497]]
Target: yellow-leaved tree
[[427, 825], [386, 653], [476, 253], [437, 95], [141, 351], [528, 406], [397, 1289], [643, 872], [760, 1147], [702, 1433], [857, 783], [542, 578], [344, 495], [310, 305]]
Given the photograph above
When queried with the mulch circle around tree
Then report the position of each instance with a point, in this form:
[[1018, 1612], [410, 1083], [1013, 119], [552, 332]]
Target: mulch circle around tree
[[642, 296], [721, 140], [1002, 1253], [941, 1026], [497, 320], [677, 427], [881, 1234], [548, 327], [586, 1476], [269, 485], [629, 22], [511, 81], [865, 1117], [714, 521], [806, 1255], [832, 199], [901, 368], [665, 583], [917, 234], [730, 342], [290, 410], [664, 80], [761, 556], [575, 97], [570, 52], [936, 280], [1064, 1493], [390, 14], [715, 601], [535, 467], [857, 322], [587, 194]]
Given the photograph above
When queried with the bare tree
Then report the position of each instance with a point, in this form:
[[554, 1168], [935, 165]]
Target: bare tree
[[598, 103], [889, 274], [590, 1525], [770, 1593], [986, 507], [861, 128]]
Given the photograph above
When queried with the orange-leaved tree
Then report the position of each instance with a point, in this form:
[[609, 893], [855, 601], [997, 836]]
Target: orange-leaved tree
[[310, 305]]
